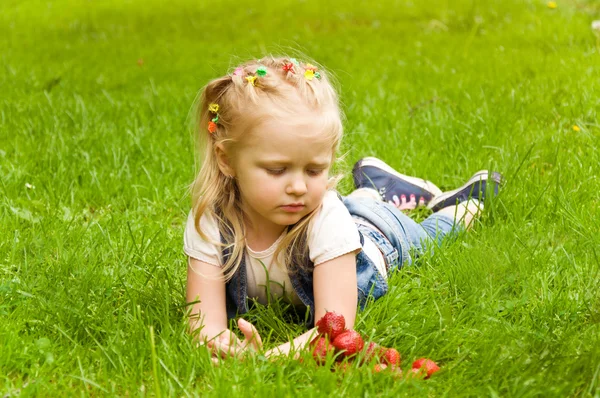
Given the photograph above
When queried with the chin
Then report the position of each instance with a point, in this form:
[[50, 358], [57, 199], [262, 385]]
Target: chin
[[290, 219]]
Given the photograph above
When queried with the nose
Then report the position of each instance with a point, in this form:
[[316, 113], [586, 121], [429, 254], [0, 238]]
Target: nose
[[296, 186]]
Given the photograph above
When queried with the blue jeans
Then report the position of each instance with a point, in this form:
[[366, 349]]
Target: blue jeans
[[399, 237]]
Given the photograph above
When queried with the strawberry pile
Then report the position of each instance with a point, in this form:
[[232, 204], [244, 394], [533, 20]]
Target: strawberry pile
[[348, 344]]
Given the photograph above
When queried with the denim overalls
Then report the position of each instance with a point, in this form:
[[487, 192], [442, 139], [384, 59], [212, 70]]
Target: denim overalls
[[397, 236]]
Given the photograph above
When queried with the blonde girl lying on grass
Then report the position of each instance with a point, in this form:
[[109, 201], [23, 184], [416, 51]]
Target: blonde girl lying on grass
[[264, 202]]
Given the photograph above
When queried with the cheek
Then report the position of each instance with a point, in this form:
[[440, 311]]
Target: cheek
[[259, 186], [268, 189], [318, 186]]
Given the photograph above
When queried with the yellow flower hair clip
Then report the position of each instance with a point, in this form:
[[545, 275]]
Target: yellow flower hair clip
[[251, 80], [213, 108], [311, 72]]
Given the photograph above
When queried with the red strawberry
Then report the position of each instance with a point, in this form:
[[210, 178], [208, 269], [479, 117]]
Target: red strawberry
[[349, 342], [392, 357], [427, 365], [331, 325], [321, 347]]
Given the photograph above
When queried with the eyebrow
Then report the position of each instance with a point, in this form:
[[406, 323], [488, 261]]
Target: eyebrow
[[319, 164], [282, 162]]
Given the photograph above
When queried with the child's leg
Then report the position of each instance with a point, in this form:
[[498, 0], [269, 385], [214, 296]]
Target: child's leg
[[406, 236], [465, 212], [448, 221], [460, 206], [409, 237], [474, 188], [415, 238], [419, 237]]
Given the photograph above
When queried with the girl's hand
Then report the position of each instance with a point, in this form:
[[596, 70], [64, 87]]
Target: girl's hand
[[294, 347], [227, 343], [252, 339]]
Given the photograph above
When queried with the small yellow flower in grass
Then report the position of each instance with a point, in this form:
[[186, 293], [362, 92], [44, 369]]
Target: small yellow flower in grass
[[552, 4], [576, 128]]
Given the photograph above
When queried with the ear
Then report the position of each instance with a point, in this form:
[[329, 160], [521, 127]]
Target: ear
[[223, 160]]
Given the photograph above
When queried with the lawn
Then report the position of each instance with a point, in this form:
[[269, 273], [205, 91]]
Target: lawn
[[96, 157]]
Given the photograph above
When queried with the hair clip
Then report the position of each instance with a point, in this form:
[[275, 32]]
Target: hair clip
[[213, 108], [212, 125], [261, 71], [311, 72], [239, 71], [251, 80], [289, 67], [295, 61]]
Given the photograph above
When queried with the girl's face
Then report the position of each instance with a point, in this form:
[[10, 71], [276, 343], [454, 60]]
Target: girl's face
[[282, 171]]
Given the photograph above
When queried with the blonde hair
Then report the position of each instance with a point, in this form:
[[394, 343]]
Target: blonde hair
[[243, 103]]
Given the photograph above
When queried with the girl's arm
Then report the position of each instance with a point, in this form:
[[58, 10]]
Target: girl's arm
[[334, 287], [206, 289]]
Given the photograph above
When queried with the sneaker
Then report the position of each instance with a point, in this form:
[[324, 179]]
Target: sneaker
[[393, 187], [475, 188]]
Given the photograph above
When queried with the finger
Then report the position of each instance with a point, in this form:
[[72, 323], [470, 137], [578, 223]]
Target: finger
[[225, 344], [251, 334], [214, 349], [421, 201], [227, 349], [215, 361]]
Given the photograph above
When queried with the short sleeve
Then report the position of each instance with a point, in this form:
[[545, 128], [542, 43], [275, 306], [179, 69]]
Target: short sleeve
[[197, 247], [333, 232]]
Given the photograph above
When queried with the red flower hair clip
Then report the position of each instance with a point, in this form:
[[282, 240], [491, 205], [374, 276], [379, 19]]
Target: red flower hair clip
[[289, 67]]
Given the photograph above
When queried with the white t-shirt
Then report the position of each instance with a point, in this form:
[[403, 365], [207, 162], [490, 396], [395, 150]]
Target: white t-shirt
[[332, 233]]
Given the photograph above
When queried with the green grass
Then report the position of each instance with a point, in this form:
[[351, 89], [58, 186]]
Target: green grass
[[96, 158]]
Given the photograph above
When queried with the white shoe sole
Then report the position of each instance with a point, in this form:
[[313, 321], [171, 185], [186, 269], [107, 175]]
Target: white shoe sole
[[419, 182], [479, 176]]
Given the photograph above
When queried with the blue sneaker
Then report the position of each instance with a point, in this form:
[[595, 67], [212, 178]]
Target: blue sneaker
[[393, 187], [475, 188]]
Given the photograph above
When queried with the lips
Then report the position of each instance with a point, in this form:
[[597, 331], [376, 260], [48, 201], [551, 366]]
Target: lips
[[293, 207]]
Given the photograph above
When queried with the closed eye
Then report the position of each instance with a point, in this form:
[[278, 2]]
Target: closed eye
[[315, 172], [275, 172]]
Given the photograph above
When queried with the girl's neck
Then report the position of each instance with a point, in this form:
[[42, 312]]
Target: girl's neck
[[260, 238]]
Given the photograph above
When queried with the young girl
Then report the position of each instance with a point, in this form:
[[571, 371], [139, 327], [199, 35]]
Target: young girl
[[266, 220]]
